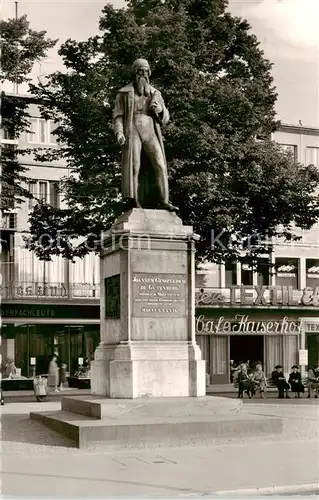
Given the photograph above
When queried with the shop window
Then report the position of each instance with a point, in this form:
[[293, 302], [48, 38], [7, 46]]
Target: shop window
[[312, 345], [23, 342], [230, 274], [312, 273], [246, 275], [287, 272]]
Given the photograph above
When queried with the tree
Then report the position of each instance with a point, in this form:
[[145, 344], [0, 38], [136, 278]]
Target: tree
[[235, 190], [21, 47]]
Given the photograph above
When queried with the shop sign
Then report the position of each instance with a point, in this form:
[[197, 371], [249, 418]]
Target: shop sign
[[312, 327], [34, 290], [258, 296], [45, 311], [303, 357], [286, 271], [242, 324], [22, 312], [313, 272]]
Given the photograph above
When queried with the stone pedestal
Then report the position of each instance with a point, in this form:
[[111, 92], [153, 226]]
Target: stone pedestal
[[148, 343]]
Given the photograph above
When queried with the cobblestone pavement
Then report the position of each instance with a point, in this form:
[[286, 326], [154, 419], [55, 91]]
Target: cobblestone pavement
[[38, 462]]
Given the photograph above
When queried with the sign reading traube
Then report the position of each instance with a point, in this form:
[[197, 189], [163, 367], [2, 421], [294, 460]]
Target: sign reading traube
[[159, 295]]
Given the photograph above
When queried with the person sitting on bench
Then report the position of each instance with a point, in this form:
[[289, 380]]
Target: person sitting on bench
[[313, 380], [280, 382], [295, 381], [245, 382]]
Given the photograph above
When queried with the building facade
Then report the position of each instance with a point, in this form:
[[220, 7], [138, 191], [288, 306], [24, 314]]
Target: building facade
[[46, 307], [241, 314], [244, 314]]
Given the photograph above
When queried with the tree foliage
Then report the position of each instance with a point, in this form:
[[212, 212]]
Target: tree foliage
[[219, 90], [20, 47]]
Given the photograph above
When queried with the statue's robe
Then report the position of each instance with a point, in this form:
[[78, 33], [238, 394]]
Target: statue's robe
[[123, 122]]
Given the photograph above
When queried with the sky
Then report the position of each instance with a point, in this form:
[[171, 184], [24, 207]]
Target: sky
[[287, 29]]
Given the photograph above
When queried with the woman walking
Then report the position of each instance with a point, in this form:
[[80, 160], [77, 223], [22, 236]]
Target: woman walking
[[53, 374]]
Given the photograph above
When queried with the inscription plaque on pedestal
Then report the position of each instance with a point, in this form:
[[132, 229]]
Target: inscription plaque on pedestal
[[159, 295]]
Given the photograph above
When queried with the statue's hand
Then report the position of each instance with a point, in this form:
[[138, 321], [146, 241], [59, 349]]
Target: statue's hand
[[120, 139], [157, 108]]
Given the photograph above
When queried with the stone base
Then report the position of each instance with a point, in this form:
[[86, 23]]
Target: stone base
[[154, 422], [152, 370]]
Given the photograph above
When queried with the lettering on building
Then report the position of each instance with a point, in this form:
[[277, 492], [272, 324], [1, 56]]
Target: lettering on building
[[312, 327], [27, 313], [242, 324], [16, 290], [276, 296]]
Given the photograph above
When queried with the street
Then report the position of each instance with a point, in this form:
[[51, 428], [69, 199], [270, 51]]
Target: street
[[38, 462]]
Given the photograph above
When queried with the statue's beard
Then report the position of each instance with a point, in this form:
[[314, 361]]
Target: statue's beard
[[142, 86]]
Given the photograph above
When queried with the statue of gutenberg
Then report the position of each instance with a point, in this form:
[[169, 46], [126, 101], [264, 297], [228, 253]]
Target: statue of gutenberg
[[138, 115]]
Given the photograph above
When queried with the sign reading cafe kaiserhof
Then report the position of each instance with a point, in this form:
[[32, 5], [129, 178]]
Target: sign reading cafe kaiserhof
[[159, 295], [242, 324]]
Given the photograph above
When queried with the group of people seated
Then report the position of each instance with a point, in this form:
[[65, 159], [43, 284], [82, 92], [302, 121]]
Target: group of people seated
[[253, 381], [295, 383], [250, 380]]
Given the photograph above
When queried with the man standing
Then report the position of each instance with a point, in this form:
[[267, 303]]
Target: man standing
[[138, 115]]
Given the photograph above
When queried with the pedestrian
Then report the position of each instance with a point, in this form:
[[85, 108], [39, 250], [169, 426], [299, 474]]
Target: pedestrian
[[313, 380], [232, 370], [2, 400], [295, 381], [260, 380], [10, 370], [63, 375], [279, 380], [53, 374]]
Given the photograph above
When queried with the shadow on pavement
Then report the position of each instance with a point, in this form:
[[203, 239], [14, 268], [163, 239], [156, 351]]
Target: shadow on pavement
[[21, 429]]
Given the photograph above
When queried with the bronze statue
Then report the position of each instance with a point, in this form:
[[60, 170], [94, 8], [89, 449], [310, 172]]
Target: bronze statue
[[139, 113]]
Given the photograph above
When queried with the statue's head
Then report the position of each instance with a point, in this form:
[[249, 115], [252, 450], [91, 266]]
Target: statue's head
[[142, 72]]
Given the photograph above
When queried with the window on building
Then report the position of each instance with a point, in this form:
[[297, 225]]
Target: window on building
[[46, 191], [7, 134], [42, 124], [312, 273], [287, 272], [54, 194], [312, 156], [52, 137], [33, 192], [41, 131], [290, 148], [263, 272], [33, 133], [230, 274], [43, 191], [246, 275]]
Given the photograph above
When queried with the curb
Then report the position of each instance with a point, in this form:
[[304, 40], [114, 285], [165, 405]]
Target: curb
[[270, 490]]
